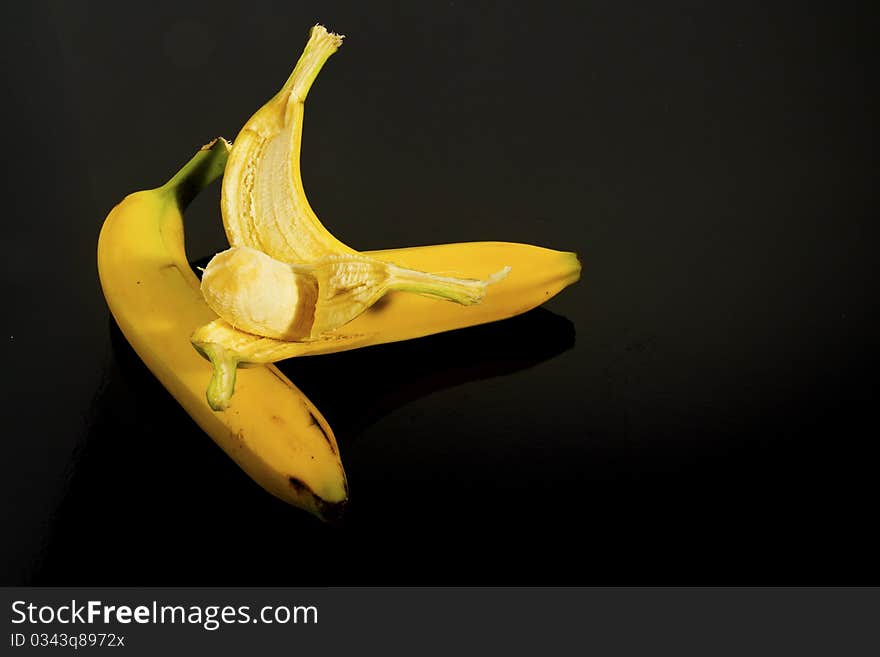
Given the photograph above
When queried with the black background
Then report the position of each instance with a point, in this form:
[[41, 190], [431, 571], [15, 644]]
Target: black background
[[699, 408]]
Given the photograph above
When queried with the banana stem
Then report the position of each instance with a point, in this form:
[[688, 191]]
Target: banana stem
[[460, 290], [222, 385], [204, 168], [320, 46]]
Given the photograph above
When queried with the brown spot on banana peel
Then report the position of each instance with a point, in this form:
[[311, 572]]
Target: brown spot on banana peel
[[299, 486], [330, 512]]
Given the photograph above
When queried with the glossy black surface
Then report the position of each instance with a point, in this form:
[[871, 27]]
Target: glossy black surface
[[699, 409]]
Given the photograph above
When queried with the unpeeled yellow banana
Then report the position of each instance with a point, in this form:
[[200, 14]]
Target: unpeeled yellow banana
[[275, 433]]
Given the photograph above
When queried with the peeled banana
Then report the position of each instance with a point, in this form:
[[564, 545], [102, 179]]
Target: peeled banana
[[264, 207]]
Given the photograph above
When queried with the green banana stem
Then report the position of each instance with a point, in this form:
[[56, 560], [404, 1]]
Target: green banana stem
[[204, 168], [222, 385]]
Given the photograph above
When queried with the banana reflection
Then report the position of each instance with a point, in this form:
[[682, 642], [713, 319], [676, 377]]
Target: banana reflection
[[150, 498], [386, 377]]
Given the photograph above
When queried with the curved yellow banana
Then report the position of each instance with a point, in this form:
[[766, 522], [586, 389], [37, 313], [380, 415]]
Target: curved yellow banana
[[274, 432]]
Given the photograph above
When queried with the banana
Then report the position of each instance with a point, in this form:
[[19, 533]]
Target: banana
[[264, 207], [275, 434]]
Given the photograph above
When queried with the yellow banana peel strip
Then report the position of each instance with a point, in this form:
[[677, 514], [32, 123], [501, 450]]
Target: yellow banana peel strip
[[262, 199]]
